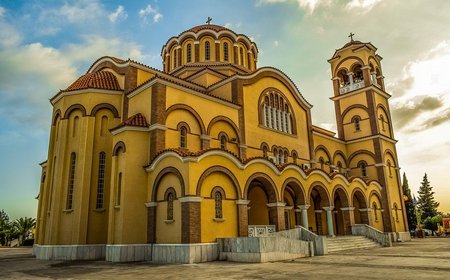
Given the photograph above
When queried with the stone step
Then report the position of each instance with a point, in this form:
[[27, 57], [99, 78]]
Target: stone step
[[343, 243]]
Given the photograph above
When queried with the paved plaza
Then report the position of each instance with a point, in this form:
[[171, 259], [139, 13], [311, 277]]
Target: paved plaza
[[419, 259]]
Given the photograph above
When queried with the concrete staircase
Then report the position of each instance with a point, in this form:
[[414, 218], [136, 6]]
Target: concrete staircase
[[350, 242]]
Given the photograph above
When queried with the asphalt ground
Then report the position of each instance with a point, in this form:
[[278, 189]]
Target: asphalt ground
[[419, 259]]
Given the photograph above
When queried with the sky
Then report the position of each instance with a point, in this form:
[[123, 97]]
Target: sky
[[46, 45]]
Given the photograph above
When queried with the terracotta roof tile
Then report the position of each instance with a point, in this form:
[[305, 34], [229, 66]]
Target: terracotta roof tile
[[136, 120], [98, 80]]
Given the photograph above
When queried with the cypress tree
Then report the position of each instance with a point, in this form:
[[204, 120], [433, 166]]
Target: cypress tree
[[409, 204], [426, 200]]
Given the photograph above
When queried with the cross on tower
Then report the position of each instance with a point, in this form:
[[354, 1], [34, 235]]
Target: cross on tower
[[351, 36], [208, 21]]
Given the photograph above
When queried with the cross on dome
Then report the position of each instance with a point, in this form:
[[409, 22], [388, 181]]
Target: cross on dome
[[351, 36], [208, 21]]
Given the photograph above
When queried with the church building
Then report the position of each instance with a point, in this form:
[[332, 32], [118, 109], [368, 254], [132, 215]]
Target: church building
[[214, 147]]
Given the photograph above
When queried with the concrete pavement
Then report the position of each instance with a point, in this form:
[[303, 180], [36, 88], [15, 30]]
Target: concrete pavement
[[419, 259]]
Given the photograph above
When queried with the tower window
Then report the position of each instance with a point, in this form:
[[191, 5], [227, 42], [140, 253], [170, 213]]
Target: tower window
[[382, 122], [101, 180], [356, 122], [363, 167], [188, 53], [183, 137], [170, 198], [207, 51], [241, 55], [73, 158], [276, 113], [225, 51], [223, 141], [389, 168]]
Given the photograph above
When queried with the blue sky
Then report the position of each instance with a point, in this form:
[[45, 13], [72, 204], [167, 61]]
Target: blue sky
[[46, 45]]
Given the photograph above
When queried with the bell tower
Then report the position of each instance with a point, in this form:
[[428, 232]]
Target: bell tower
[[364, 124]]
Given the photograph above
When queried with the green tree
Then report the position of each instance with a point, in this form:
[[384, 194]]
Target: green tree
[[24, 227], [409, 204], [426, 200], [431, 223], [5, 227]]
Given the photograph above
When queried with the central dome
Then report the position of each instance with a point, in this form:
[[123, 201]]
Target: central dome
[[209, 45]]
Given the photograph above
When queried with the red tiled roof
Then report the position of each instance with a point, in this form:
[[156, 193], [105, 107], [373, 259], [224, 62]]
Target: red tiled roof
[[98, 80], [136, 120]]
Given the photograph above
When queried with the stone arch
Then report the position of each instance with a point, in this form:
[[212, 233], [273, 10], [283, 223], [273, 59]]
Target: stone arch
[[190, 110], [56, 115], [73, 108], [335, 157], [341, 214], [222, 170], [266, 183], [323, 148], [349, 108], [297, 188], [361, 207], [226, 120], [323, 192], [390, 153], [117, 147], [337, 68], [160, 176], [361, 152], [108, 106], [343, 194]]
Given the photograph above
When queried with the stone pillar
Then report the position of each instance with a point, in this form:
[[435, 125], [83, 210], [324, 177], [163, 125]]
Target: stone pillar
[[336, 86], [276, 215], [190, 219], [350, 78], [151, 221], [365, 215], [348, 218], [304, 211], [330, 220], [366, 75], [242, 206]]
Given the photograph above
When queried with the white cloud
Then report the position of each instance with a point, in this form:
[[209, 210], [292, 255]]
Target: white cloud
[[362, 5], [2, 11], [120, 13], [81, 11], [149, 10], [9, 36], [309, 5], [276, 43]]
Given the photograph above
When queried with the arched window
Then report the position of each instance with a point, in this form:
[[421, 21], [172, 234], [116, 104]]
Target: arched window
[[276, 115], [103, 125], [396, 212], [218, 195], [218, 204], [71, 184], [101, 180], [389, 168], [241, 55], [286, 156], [207, 51], [294, 157], [363, 167], [174, 58], [374, 209], [170, 198], [382, 122], [183, 137], [322, 162], [188, 53], [225, 51], [76, 123], [357, 74], [119, 189], [356, 122], [223, 142], [275, 154], [265, 150], [280, 157]]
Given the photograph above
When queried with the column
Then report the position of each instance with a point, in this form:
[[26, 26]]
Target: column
[[350, 78], [190, 219], [365, 215], [276, 214], [349, 219], [151, 221], [330, 220], [242, 206], [304, 210]]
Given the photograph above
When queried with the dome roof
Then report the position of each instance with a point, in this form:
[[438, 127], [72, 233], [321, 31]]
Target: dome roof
[[214, 27], [98, 80]]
